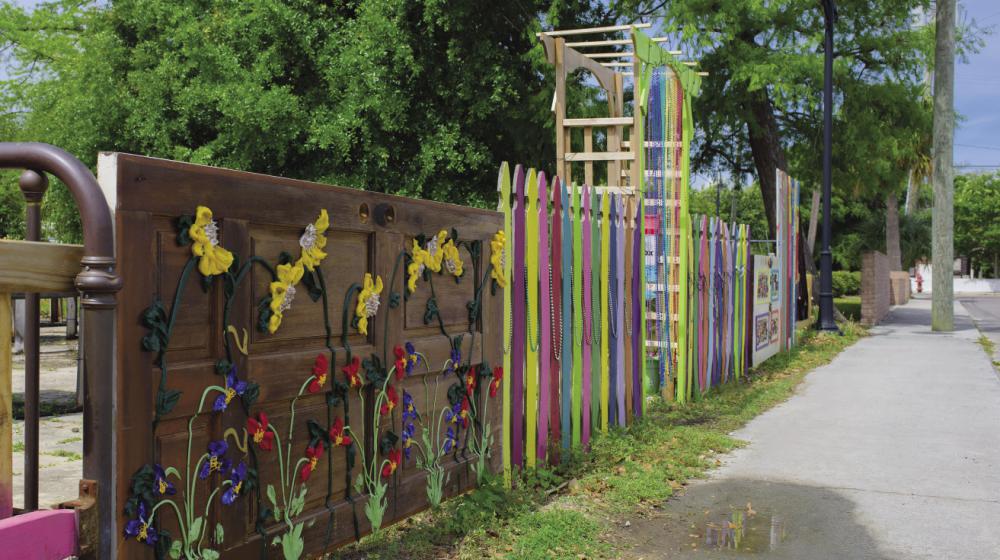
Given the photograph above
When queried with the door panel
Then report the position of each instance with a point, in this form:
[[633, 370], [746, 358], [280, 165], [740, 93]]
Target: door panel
[[263, 217]]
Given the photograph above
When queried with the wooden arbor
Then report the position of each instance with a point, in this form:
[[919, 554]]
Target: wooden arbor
[[660, 276], [566, 59]]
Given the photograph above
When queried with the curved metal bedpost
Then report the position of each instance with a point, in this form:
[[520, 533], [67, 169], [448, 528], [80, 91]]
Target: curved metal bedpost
[[98, 283]]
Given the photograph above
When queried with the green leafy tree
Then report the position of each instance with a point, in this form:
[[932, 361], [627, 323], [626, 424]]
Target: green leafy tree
[[977, 219], [415, 97], [761, 106]]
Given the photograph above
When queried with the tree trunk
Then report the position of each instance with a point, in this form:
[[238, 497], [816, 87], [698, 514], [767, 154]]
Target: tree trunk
[[765, 145], [943, 217], [912, 194], [813, 220], [892, 249]]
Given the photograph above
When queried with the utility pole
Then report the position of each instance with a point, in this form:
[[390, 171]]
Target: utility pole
[[942, 216], [826, 319]]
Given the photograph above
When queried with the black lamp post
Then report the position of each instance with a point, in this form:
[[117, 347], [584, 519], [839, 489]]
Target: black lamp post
[[826, 321]]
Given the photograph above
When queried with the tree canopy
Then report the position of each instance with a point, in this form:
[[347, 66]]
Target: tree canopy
[[415, 97], [977, 219], [761, 108]]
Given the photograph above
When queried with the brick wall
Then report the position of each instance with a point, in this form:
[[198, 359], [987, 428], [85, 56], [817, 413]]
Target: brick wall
[[875, 289], [899, 287]]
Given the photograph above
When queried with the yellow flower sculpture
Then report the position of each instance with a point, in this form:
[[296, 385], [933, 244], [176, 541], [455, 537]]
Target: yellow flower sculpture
[[434, 251], [283, 292], [450, 259], [313, 241], [497, 258], [368, 301], [418, 259], [204, 233]]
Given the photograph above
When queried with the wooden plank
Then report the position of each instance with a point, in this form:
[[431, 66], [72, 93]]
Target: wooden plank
[[40, 534], [599, 121], [577, 337], [504, 186], [629, 64], [605, 269], [613, 42], [599, 156], [566, 323], [518, 312], [588, 146], [593, 30], [545, 318], [648, 144], [6, 412], [532, 319], [587, 318], [32, 266], [622, 54]]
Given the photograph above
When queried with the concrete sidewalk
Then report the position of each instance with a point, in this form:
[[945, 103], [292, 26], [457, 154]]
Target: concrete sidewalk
[[892, 451]]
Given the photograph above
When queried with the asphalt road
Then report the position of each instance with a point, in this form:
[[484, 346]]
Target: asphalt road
[[985, 311]]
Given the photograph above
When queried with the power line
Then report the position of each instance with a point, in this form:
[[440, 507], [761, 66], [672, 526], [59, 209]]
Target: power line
[[993, 148]]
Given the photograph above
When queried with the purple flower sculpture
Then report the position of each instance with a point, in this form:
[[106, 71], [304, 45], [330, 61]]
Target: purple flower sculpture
[[216, 462], [236, 479], [234, 387], [141, 528], [162, 486]]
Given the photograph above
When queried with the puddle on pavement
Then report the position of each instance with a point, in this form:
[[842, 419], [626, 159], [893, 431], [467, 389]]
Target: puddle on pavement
[[737, 530]]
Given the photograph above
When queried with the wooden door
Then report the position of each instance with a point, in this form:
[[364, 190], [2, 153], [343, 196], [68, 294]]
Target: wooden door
[[263, 217]]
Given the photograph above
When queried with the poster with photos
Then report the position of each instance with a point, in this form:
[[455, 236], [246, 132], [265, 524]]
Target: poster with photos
[[767, 314]]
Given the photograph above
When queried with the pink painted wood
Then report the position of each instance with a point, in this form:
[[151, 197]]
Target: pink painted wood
[[39, 535], [587, 317], [620, 306], [544, 319]]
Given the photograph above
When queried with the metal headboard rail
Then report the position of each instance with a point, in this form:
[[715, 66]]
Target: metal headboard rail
[[98, 282]]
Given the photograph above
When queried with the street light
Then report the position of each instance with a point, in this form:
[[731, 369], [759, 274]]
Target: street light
[[826, 321]]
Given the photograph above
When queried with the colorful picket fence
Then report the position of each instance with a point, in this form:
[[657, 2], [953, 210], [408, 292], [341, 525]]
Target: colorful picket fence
[[569, 321], [718, 303], [787, 233]]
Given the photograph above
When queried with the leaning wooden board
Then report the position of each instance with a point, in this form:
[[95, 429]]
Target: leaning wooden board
[[264, 216]]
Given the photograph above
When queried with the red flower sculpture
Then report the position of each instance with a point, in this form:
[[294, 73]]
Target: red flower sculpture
[[391, 400], [393, 460], [464, 414], [320, 368], [258, 430], [497, 379], [470, 381], [400, 370], [352, 372], [312, 454], [338, 437]]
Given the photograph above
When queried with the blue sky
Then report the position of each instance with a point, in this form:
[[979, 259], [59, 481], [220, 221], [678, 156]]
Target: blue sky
[[977, 91]]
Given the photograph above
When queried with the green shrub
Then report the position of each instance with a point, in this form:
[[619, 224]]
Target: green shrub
[[846, 283]]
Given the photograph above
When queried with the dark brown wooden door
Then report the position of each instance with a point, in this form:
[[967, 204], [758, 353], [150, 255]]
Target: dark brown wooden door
[[264, 216]]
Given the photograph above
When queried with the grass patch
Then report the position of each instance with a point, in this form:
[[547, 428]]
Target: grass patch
[[69, 440], [987, 345], [45, 408], [553, 533], [71, 455], [18, 447], [565, 512], [850, 306]]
